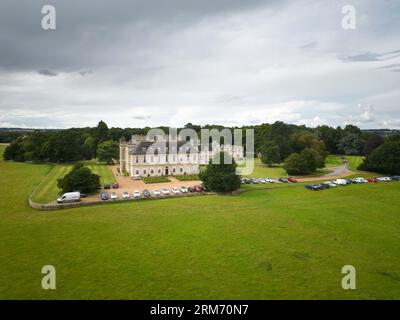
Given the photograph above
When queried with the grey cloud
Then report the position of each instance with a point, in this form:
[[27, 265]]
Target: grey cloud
[[371, 56], [141, 117], [46, 72], [310, 45]]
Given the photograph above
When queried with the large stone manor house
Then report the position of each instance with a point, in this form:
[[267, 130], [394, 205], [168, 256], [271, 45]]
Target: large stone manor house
[[141, 157]]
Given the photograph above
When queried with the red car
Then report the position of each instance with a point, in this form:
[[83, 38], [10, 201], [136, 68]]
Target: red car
[[373, 180], [115, 185], [290, 179], [198, 189]]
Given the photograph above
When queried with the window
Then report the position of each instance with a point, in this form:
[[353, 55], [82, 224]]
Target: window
[[151, 171], [144, 171], [152, 158], [159, 170], [173, 170], [181, 170], [137, 159], [144, 159], [137, 172]]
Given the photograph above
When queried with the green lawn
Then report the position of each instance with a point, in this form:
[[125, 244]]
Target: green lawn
[[333, 160], [354, 161], [48, 190], [263, 171], [268, 243], [104, 171]]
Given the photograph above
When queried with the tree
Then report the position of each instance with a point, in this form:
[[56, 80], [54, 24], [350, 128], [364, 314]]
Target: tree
[[307, 140], [107, 151], [15, 151], [330, 136], [305, 162], [373, 142], [81, 179], [270, 153], [101, 133], [351, 144], [88, 147], [280, 133], [384, 159], [221, 177]]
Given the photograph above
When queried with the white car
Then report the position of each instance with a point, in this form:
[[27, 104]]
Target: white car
[[330, 183], [360, 180], [156, 192], [341, 182], [165, 191], [113, 196], [125, 195], [384, 179], [269, 180], [136, 194], [183, 189], [175, 190]]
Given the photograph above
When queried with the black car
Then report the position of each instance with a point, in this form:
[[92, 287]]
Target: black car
[[314, 187], [106, 186], [146, 193], [104, 196], [191, 189]]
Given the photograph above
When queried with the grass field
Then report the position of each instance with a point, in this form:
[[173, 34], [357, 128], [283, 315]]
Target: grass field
[[263, 171], [48, 190], [267, 243]]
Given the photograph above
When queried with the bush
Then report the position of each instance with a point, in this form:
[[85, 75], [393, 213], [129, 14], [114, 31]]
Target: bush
[[384, 159], [305, 162], [79, 179], [156, 179], [190, 177], [221, 177]]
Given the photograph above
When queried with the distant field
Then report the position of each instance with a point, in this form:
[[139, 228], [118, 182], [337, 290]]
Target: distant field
[[263, 171], [333, 160], [354, 161], [48, 190], [104, 171], [267, 243]]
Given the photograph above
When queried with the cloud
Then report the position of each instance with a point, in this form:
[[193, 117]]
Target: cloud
[[46, 72], [152, 63]]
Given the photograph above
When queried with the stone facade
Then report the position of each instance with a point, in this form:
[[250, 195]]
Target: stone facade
[[141, 158]]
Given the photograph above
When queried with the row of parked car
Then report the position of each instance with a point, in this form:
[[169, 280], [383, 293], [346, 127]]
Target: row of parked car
[[345, 182], [136, 194], [266, 180]]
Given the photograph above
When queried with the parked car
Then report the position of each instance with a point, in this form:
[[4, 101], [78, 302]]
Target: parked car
[[175, 190], [114, 196], [83, 195], [165, 191], [198, 189], [325, 185], [291, 179], [191, 189], [146, 193], [156, 192], [341, 182], [106, 186], [136, 194], [125, 195], [204, 188], [372, 180], [331, 184], [396, 178], [269, 180], [70, 197], [359, 180], [104, 196], [384, 179], [284, 180], [183, 189], [115, 185], [313, 187]]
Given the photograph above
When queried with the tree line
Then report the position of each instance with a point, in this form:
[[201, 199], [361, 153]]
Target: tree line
[[300, 148]]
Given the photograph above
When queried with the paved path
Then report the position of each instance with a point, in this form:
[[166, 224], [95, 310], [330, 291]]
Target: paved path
[[337, 172]]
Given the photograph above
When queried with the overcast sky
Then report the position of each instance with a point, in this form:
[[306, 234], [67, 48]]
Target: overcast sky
[[169, 62]]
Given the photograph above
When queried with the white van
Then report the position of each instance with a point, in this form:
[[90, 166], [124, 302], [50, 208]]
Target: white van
[[341, 182], [70, 197]]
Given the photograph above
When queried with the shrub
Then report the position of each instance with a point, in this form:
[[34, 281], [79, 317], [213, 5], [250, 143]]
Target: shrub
[[189, 177], [156, 179], [305, 162], [79, 179]]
